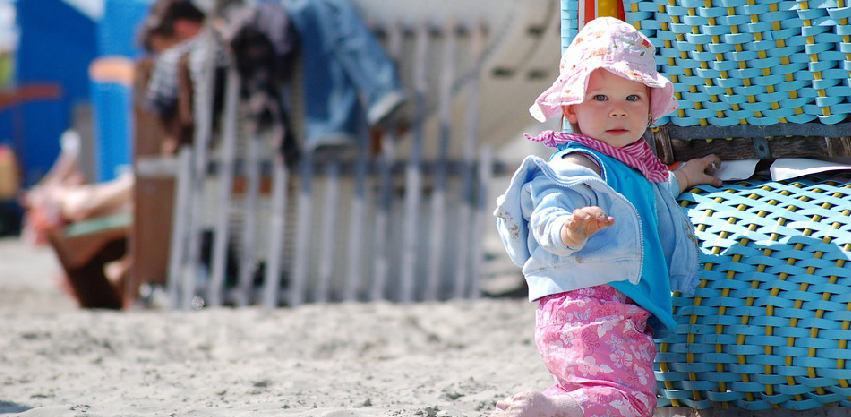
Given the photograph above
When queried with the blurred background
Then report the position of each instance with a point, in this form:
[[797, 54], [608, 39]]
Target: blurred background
[[67, 73], [48, 86]]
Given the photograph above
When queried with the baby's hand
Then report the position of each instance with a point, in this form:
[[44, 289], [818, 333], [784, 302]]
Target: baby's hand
[[585, 222], [698, 171]]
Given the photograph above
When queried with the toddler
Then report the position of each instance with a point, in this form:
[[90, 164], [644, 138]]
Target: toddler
[[597, 231]]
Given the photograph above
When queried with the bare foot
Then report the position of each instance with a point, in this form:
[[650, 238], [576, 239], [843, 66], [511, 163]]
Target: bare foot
[[536, 404]]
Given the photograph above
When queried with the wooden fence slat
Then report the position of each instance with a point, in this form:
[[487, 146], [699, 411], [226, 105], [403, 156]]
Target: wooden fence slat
[[328, 239], [413, 176], [249, 221], [485, 177], [178, 233], [437, 226], [203, 105], [385, 183], [221, 233], [302, 247], [467, 238], [276, 237], [356, 218], [384, 203]]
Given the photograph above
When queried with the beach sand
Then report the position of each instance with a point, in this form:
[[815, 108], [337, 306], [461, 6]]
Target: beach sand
[[349, 360]]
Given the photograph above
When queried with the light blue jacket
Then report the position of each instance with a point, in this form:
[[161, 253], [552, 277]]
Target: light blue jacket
[[542, 195]]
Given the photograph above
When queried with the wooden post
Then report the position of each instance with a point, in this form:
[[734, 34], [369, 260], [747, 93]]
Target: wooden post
[[222, 231], [413, 175], [356, 218], [178, 234], [248, 255], [437, 238], [485, 177], [203, 134], [278, 228], [302, 238], [328, 240], [385, 184], [468, 240]]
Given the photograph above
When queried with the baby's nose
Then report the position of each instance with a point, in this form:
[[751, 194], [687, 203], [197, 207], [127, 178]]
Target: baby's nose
[[617, 111]]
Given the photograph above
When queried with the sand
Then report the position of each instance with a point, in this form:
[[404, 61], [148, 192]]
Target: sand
[[349, 360]]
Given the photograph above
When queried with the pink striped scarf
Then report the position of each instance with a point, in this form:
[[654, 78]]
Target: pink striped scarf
[[637, 155]]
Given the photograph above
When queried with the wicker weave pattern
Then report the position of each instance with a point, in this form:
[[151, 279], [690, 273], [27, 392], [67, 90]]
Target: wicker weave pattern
[[768, 325], [751, 62]]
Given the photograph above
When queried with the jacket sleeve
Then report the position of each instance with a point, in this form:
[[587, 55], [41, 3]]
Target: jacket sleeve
[[673, 185], [553, 206], [531, 211]]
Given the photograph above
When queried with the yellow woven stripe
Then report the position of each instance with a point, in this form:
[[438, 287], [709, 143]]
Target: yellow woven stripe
[[813, 57], [699, 301], [743, 65], [720, 58], [784, 60], [840, 263], [691, 88], [792, 322], [607, 8], [811, 352], [769, 310], [671, 61], [846, 325], [722, 310]]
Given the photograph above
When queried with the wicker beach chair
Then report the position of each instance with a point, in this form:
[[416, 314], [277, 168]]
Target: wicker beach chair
[[769, 325]]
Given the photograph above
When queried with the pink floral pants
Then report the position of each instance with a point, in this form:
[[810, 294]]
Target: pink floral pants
[[596, 343]]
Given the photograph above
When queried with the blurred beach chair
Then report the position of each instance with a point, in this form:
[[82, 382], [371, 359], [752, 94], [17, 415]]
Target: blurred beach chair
[[766, 332]]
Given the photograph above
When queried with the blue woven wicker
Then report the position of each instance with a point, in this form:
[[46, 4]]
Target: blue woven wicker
[[769, 324], [737, 62]]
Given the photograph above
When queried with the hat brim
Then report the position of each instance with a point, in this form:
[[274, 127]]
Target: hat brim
[[569, 90]]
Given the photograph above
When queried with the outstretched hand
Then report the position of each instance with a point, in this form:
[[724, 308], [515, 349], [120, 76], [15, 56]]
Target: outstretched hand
[[585, 222], [698, 171]]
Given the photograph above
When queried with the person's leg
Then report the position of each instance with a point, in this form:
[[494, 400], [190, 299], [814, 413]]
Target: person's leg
[[331, 104], [366, 63], [601, 363]]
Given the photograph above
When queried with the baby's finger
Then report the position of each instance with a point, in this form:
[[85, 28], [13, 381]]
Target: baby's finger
[[600, 217], [710, 179], [711, 162]]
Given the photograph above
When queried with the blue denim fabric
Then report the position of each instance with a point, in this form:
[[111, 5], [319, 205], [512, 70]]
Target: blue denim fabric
[[342, 61], [541, 196]]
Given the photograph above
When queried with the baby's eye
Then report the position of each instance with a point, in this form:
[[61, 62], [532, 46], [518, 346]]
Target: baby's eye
[[633, 97], [600, 97]]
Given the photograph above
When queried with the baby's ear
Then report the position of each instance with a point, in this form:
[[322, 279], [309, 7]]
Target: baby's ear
[[569, 114]]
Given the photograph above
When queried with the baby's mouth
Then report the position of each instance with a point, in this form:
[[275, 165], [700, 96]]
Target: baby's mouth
[[617, 131]]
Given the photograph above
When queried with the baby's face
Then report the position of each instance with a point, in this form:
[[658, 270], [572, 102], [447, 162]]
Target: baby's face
[[615, 110]]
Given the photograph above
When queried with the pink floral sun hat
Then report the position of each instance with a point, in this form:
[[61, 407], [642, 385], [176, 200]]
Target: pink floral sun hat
[[616, 46]]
